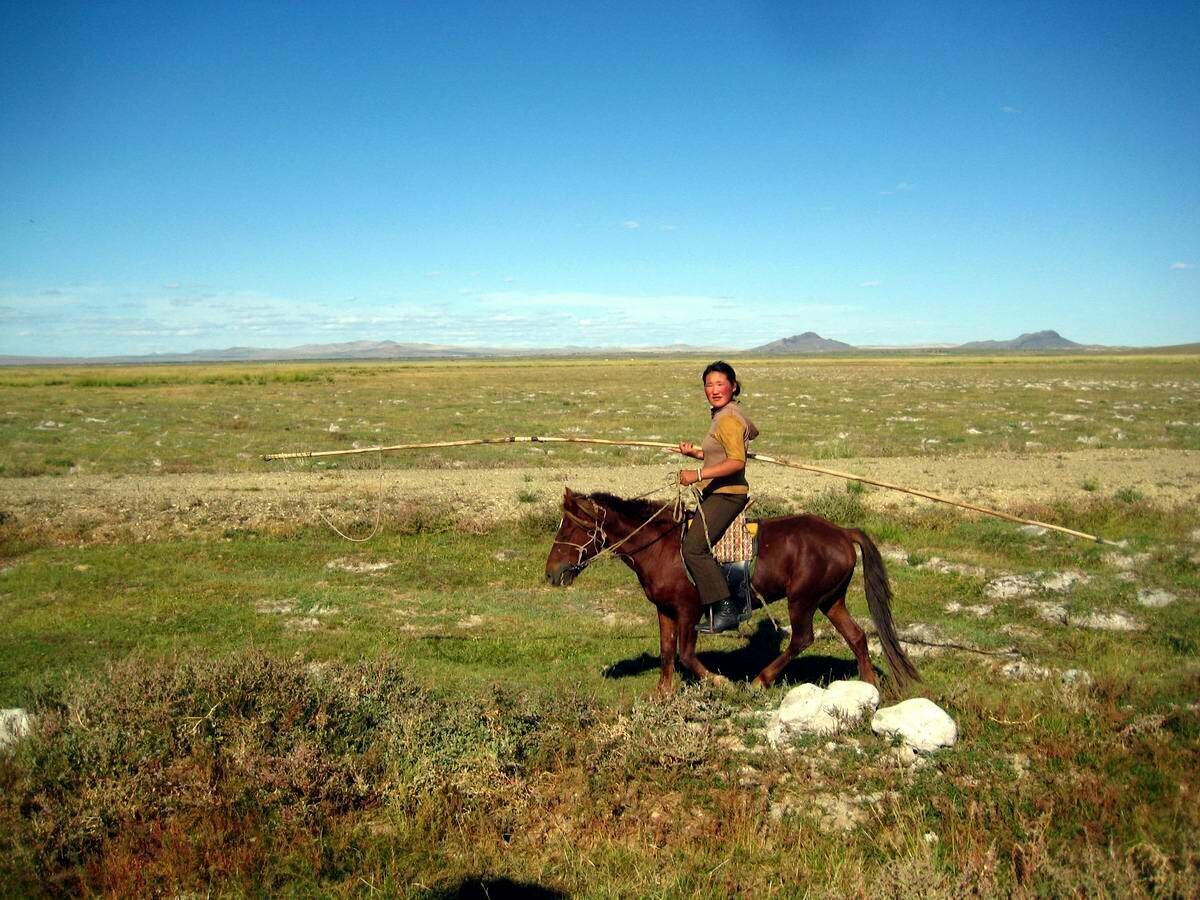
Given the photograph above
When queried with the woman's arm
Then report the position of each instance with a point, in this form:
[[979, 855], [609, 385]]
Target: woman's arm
[[687, 448], [720, 470]]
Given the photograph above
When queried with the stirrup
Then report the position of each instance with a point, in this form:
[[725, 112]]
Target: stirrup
[[724, 615]]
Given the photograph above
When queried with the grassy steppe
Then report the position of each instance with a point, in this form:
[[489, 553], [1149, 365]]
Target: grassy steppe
[[210, 418], [280, 711]]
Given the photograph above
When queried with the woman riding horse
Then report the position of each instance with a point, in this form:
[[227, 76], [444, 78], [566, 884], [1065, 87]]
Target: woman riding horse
[[724, 492]]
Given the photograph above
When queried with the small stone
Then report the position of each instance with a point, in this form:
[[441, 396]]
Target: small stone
[[930, 838], [1076, 678], [919, 722], [1020, 764], [358, 568], [1114, 621], [937, 564], [1155, 598], [1010, 587], [1035, 530], [1196, 535], [1063, 581], [306, 623], [505, 555], [980, 611], [14, 724], [334, 429], [905, 756], [1125, 561], [1051, 612], [1023, 670]]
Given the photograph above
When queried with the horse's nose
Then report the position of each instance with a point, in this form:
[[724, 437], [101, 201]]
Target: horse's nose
[[558, 576]]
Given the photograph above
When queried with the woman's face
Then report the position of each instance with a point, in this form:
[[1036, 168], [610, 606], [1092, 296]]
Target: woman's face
[[718, 389]]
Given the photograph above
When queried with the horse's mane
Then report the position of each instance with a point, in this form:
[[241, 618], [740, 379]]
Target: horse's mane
[[633, 509]]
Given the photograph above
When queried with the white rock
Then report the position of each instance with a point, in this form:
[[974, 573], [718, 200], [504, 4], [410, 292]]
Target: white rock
[[1063, 581], [14, 725], [809, 709], [1036, 530], [980, 611], [1076, 677], [1051, 612], [1024, 670], [937, 564], [920, 722], [1196, 534], [1008, 587], [1114, 621], [1154, 597], [359, 568], [1126, 561]]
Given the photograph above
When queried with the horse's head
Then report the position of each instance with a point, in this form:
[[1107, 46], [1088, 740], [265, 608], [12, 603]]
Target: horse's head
[[580, 537]]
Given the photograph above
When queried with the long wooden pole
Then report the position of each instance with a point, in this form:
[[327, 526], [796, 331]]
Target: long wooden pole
[[760, 457]]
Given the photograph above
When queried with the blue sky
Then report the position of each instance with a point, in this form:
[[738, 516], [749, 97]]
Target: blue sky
[[176, 176]]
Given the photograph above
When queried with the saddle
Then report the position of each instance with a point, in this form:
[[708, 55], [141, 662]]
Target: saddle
[[735, 552]]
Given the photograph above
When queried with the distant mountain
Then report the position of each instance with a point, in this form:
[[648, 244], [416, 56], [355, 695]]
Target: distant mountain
[[349, 350], [809, 342], [1037, 340]]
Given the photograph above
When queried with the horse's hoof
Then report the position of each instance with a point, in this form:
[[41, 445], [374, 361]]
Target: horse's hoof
[[718, 681], [758, 685]]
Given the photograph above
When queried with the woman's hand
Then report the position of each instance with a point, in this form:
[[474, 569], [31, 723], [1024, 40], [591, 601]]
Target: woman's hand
[[689, 476], [687, 449]]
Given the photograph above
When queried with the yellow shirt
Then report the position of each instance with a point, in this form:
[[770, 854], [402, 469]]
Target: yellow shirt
[[727, 438]]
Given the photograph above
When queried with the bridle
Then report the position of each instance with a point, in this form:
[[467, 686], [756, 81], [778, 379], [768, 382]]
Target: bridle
[[598, 537]]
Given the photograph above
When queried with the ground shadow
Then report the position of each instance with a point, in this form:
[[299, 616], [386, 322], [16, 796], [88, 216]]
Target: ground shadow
[[476, 888], [741, 656]]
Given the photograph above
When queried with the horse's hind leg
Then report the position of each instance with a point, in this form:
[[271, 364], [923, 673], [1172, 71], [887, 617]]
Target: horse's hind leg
[[801, 616], [848, 629]]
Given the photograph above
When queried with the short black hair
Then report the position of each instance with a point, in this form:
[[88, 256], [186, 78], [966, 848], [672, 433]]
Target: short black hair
[[725, 369]]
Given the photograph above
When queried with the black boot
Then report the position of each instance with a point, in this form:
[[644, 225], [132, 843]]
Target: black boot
[[724, 615]]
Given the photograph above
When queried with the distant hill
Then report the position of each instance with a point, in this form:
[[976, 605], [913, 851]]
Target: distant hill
[[809, 342], [1036, 340], [349, 350]]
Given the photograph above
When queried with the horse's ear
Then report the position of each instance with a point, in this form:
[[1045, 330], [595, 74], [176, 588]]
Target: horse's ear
[[588, 507], [568, 497]]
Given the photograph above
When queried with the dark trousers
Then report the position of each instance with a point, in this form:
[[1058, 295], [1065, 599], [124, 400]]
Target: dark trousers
[[719, 511]]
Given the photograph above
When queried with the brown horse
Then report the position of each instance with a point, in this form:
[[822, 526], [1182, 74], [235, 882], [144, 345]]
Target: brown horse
[[805, 558]]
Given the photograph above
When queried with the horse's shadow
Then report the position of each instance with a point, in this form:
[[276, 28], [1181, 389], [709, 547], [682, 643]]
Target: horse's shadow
[[746, 656]]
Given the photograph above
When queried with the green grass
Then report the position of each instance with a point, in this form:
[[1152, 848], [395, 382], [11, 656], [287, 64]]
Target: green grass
[[219, 418], [547, 766], [278, 712]]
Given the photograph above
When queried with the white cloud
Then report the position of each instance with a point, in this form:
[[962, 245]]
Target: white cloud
[[1178, 266], [901, 188], [631, 224], [1011, 110], [666, 227], [870, 284]]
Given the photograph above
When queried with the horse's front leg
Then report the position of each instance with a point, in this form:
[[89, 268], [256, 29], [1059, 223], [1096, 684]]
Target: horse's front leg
[[689, 617], [666, 651]]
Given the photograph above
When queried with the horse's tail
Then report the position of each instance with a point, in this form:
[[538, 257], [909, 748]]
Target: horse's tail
[[879, 602]]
